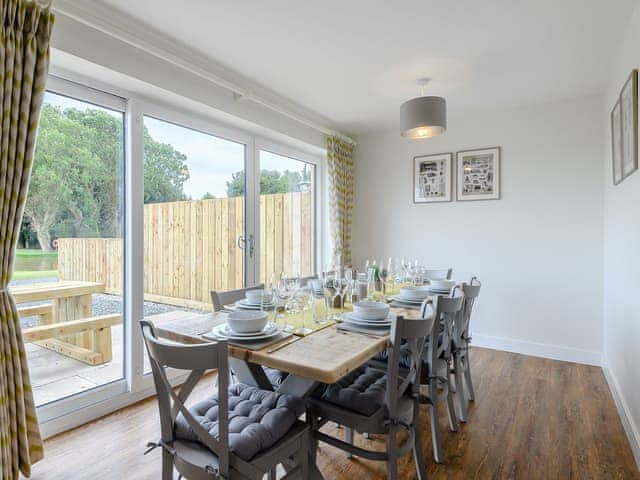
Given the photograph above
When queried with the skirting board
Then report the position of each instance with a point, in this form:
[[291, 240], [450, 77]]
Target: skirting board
[[632, 430], [555, 352]]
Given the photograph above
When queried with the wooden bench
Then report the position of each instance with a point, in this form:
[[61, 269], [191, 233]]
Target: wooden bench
[[66, 323], [52, 336]]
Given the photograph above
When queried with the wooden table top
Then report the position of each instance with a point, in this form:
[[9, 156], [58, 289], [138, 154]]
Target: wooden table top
[[324, 356], [50, 290]]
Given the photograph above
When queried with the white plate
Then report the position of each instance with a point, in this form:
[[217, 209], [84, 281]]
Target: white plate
[[398, 298], [268, 329], [439, 291], [244, 303], [350, 318], [223, 332]]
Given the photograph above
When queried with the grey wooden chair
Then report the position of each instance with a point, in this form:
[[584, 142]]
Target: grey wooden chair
[[241, 432], [436, 387], [221, 299], [460, 347], [379, 401], [439, 274], [435, 374]]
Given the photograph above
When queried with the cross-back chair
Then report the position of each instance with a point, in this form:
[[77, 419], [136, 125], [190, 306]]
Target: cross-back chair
[[437, 357], [226, 436], [376, 401], [460, 347]]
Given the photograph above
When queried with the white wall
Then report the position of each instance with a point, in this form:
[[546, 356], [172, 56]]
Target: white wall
[[538, 250], [622, 257]]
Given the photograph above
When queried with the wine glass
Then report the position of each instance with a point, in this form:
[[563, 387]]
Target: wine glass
[[284, 299], [303, 299], [341, 288]]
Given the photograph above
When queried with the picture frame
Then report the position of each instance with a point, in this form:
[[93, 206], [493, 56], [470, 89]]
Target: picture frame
[[616, 143], [478, 174], [629, 126], [432, 176]]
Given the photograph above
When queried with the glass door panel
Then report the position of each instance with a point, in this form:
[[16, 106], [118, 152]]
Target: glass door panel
[[69, 261], [287, 207], [194, 219]]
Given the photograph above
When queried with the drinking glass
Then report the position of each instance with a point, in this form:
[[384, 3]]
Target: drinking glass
[[302, 299], [284, 298]]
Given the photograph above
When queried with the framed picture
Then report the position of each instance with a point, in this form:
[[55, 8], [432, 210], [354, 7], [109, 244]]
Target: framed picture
[[616, 143], [432, 178], [629, 125], [478, 174]]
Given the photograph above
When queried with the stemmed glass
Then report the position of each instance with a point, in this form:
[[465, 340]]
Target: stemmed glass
[[302, 299], [340, 286], [284, 296]]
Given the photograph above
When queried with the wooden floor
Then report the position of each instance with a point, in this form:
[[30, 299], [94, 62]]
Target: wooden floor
[[532, 419]]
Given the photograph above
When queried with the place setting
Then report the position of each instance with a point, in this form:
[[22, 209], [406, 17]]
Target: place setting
[[371, 318], [258, 299], [251, 329]]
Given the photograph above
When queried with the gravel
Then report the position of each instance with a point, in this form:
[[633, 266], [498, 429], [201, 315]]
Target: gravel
[[103, 304]]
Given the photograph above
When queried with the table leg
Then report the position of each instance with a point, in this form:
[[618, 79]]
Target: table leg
[[249, 373]]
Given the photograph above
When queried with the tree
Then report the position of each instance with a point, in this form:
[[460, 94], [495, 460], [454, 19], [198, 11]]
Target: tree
[[208, 196], [165, 171], [76, 180], [271, 181]]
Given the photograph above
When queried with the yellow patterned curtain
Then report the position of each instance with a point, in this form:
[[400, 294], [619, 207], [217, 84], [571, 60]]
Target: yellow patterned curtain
[[340, 169], [24, 62]]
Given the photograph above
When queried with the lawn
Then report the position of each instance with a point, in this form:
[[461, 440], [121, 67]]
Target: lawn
[[33, 252], [33, 274]]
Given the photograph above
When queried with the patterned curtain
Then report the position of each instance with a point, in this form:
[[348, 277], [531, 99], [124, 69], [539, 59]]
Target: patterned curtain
[[24, 61], [341, 184]]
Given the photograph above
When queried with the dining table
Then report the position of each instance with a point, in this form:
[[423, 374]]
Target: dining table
[[322, 357]]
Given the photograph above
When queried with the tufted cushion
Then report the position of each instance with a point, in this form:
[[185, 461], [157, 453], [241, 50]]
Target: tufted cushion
[[405, 356], [257, 419], [361, 391], [275, 377]]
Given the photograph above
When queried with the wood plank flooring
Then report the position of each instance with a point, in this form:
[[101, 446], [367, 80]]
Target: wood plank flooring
[[532, 419]]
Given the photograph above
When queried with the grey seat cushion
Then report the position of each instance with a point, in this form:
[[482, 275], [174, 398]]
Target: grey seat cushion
[[257, 419], [405, 356], [361, 391], [276, 377]]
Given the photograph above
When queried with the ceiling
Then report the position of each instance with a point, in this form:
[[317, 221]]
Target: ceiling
[[354, 62]]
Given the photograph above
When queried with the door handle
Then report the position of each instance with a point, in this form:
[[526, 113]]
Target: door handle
[[242, 243]]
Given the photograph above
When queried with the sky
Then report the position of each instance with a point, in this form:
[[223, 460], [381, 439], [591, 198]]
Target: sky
[[211, 160]]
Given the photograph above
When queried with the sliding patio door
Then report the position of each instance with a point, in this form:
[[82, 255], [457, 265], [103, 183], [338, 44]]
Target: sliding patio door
[[195, 235], [69, 262], [287, 213]]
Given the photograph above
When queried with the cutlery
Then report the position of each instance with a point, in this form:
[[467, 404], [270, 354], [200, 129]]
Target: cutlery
[[285, 344], [346, 332]]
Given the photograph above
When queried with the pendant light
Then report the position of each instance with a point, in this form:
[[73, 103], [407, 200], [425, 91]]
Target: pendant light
[[423, 117]]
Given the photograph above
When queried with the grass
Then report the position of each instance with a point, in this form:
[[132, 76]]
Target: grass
[[33, 274], [32, 252]]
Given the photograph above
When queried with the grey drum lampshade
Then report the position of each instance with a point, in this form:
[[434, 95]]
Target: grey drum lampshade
[[423, 117]]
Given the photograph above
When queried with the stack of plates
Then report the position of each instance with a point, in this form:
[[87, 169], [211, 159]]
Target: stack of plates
[[412, 295], [351, 318], [440, 291], [245, 304], [224, 332]]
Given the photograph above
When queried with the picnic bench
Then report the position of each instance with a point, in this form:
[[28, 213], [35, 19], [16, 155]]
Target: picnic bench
[[67, 325]]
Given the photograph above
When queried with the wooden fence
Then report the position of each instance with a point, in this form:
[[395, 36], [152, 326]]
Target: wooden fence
[[191, 248]]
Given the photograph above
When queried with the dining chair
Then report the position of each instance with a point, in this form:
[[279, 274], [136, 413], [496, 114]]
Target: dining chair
[[439, 274], [379, 401], [239, 432], [460, 347], [436, 358], [435, 374], [221, 299]]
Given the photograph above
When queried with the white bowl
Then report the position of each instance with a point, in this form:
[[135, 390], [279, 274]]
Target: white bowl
[[442, 284], [414, 293], [256, 296], [371, 310], [247, 321]]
